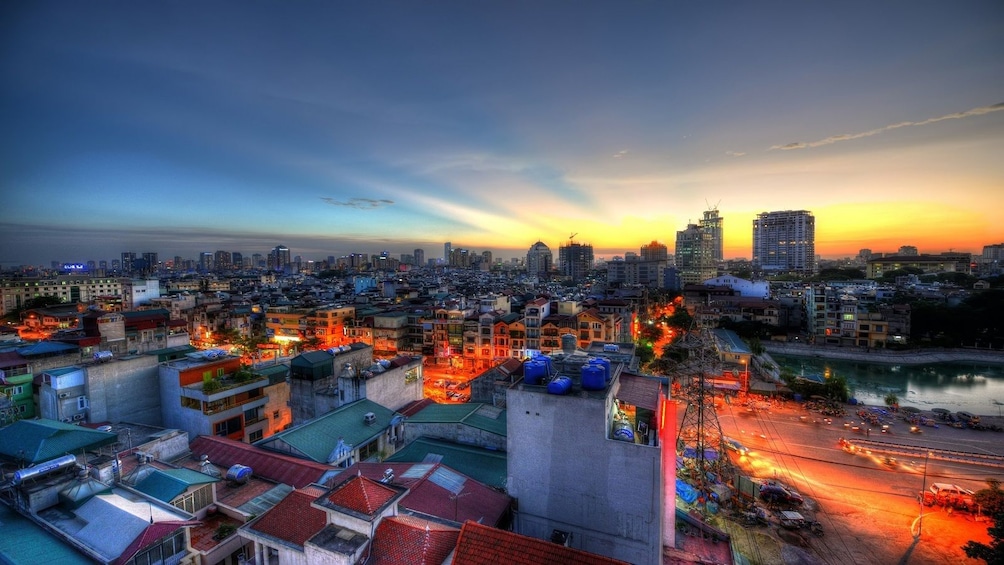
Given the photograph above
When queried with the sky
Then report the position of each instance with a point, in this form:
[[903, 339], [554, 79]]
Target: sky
[[339, 127]]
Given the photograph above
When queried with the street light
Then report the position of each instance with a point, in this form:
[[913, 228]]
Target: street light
[[923, 493]]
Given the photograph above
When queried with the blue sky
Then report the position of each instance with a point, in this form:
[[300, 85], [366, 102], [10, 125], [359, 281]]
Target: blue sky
[[339, 127]]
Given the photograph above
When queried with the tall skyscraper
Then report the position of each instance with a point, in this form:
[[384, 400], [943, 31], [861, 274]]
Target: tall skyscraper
[[575, 260], [712, 224], [206, 261], [419, 257], [447, 252], [128, 257], [695, 255], [279, 259], [222, 261], [785, 242], [539, 259]]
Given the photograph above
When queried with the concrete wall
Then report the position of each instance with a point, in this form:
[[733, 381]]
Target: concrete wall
[[390, 389], [457, 433], [568, 476], [124, 390]]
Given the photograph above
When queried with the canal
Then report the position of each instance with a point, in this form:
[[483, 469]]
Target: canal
[[973, 387]]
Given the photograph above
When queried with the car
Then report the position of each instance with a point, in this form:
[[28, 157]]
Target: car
[[734, 445], [776, 493]]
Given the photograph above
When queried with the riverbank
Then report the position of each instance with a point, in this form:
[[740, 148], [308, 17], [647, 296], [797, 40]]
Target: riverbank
[[911, 357]]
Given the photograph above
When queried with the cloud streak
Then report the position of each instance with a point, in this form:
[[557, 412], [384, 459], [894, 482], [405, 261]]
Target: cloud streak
[[850, 136], [359, 203]]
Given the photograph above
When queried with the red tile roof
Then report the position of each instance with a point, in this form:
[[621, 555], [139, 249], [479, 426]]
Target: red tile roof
[[294, 519], [408, 540], [362, 495], [152, 533], [477, 501], [277, 467], [483, 545]]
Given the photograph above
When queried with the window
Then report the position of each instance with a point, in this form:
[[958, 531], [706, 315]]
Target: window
[[275, 415], [255, 436], [227, 427], [192, 403], [219, 372], [195, 500]]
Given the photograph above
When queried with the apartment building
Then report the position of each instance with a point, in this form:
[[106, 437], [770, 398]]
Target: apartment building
[[210, 393], [15, 293]]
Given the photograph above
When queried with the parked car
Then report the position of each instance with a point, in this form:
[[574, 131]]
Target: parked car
[[776, 493]]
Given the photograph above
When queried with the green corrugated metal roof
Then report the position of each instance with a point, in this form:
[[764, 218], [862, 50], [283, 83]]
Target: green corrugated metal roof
[[317, 439], [483, 465], [168, 484], [36, 441], [469, 414], [22, 542], [483, 420]]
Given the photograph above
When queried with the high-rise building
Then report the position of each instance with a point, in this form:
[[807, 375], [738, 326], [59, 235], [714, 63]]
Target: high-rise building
[[785, 242], [712, 223], [236, 260], [127, 260], [419, 257], [575, 260], [654, 251], [222, 261], [279, 259], [447, 252], [538, 259], [909, 250], [695, 255], [152, 262]]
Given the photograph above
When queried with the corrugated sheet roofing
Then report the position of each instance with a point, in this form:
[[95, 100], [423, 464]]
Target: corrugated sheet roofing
[[317, 439], [36, 441]]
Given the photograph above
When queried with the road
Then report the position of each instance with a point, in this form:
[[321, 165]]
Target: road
[[869, 511]]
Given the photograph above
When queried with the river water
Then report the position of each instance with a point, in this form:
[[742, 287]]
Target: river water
[[973, 387]]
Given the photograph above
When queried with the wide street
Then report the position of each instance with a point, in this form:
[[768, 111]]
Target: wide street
[[868, 506]]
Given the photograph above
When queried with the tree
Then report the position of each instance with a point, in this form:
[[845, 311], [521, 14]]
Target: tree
[[993, 554], [990, 499], [891, 399]]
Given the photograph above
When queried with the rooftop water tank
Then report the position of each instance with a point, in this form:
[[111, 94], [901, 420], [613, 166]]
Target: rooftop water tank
[[605, 363], [534, 372], [239, 473], [593, 378], [568, 343], [611, 348], [623, 431], [560, 385]]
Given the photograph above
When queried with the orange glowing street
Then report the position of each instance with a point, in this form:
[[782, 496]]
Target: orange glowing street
[[867, 502]]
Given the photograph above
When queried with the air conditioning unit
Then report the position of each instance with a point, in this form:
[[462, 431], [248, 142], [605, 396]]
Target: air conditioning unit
[[64, 395], [369, 418], [66, 420], [78, 416]]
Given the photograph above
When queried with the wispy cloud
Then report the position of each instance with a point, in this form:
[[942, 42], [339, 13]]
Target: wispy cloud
[[735, 153], [849, 136], [620, 153], [359, 203]]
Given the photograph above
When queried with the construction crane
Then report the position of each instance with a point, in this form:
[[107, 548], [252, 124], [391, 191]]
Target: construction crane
[[571, 236]]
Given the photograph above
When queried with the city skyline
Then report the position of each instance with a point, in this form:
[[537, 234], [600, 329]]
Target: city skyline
[[335, 129]]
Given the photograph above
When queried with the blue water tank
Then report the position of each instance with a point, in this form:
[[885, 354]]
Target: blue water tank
[[239, 473], [534, 371], [605, 363], [592, 377], [560, 385], [547, 361], [623, 431]]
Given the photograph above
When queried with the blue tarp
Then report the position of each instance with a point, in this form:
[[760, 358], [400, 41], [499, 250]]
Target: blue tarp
[[686, 492]]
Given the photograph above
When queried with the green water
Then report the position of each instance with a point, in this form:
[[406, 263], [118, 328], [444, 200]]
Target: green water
[[973, 387]]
